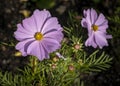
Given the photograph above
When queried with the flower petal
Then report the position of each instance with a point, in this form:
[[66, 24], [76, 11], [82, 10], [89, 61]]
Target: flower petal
[[57, 35], [21, 46], [51, 24], [50, 44], [100, 39], [91, 41], [29, 24], [84, 23], [20, 36], [40, 18], [88, 17], [103, 28], [101, 20], [22, 29], [93, 16], [84, 13], [36, 49], [108, 36]]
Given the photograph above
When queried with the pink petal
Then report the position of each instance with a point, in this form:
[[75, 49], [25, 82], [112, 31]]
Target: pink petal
[[50, 44], [29, 24], [22, 33], [101, 20], [36, 49], [40, 18], [84, 23], [91, 41], [57, 35], [22, 29], [103, 28], [88, 17], [108, 36], [100, 39], [51, 24], [20, 36], [21, 46], [93, 16], [84, 13], [90, 31]]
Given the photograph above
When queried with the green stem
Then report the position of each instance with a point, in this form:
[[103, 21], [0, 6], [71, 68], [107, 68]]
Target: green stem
[[33, 64]]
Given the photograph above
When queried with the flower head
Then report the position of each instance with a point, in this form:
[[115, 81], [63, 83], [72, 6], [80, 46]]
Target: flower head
[[96, 25], [39, 35]]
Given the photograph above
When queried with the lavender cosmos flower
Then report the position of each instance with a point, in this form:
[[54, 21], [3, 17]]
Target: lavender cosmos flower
[[96, 26], [39, 35]]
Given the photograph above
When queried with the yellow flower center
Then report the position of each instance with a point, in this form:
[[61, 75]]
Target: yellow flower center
[[38, 36], [95, 27]]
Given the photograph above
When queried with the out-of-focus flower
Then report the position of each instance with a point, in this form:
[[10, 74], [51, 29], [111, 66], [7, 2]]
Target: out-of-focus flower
[[96, 25], [26, 13], [39, 35], [17, 54]]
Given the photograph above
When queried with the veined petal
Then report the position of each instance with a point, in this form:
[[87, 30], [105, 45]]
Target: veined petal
[[90, 31], [51, 24], [50, 44], [23, 30], [57, 35], [84, 23], [29, 24], [101, 20], [36, 49], [20, 36], [100, 39], [103, 28], [88, 17], [40, 18], [21, 46], [84, 13], [91, 41], [93, 15], [108, 36]]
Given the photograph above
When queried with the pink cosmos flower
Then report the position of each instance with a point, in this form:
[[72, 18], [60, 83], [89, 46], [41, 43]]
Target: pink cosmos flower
[[39, 35], [96, 25]]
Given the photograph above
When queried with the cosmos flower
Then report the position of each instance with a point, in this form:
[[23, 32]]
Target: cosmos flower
[[96, 25], [39, 35]]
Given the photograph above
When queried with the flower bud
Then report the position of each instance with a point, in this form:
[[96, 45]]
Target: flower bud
[[77, 46], [55, 59], [71, 68], [53, 66]]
